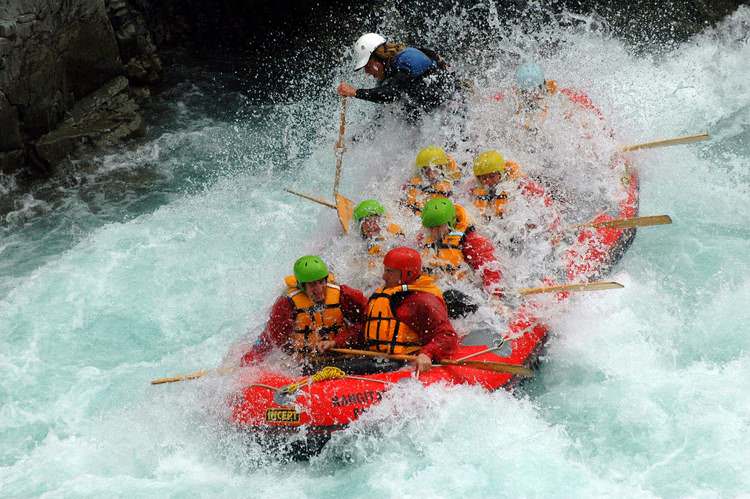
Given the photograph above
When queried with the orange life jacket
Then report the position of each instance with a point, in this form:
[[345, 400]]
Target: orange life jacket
[[447, 254], [383, 331], [374, 245], [312, 322], [484, 199], [419, 191]]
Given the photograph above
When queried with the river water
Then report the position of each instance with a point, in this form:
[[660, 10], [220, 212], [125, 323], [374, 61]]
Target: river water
[[160, 258]]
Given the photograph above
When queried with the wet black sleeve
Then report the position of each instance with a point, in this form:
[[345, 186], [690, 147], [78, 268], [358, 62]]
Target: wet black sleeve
[[389, 91], [434, 56]]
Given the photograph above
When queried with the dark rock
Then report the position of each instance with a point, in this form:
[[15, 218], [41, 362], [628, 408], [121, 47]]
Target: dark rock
[[26, 18], [11, 161], [137, 49], [61, 77], [102, 119], [10, 132], [60, 52]]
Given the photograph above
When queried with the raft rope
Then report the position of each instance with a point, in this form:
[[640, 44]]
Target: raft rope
[[328, 372]]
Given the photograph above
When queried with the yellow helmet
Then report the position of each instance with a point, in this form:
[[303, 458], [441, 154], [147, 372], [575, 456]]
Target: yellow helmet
[[432, 156], [489, 162]]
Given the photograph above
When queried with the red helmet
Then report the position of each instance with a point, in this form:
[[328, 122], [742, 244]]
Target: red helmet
[[407, 261]]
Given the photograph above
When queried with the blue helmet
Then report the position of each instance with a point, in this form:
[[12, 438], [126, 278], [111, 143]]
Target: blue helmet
[[529, 76]]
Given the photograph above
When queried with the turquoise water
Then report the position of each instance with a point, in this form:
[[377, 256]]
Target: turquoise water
[[161, 258]]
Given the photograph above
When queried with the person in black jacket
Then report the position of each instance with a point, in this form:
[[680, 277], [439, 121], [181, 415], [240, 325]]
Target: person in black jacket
[[417, 77]]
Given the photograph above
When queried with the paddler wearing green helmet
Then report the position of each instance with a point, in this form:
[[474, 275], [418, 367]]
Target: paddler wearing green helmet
[[313, 314], [374, 228], [452, 244]]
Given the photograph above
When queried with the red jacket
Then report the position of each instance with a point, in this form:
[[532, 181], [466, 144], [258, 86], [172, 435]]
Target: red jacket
[[427, 315], [478, 251], [280, 324]]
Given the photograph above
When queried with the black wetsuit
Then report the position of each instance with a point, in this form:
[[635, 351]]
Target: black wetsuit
[[418, 78]]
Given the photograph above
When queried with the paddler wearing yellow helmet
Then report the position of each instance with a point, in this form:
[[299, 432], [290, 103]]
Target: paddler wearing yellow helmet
[[497, 179], [417, 77], [437, 174], [374, 226], [312, 315], [491, 169]]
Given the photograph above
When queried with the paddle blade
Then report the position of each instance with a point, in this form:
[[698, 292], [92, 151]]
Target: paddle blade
[[630, 223], [345, 209], [588, 286], [687, 139]]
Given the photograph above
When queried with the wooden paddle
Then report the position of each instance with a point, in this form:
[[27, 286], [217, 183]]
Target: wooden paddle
[[344, 207], [312, 198], [628, 223], [498, 367], [586, 286], [340, 147], [197, 374], [686, 139]]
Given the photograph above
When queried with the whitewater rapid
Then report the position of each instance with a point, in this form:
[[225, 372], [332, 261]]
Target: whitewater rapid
[[643, 392]]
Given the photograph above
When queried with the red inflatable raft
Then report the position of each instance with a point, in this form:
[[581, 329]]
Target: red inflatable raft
[[299, 421], [299, 415]]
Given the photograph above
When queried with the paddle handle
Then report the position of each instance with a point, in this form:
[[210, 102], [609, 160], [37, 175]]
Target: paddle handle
[[501, 367], [686, 139], [340, 147], [312, 198], [587, 286], [182, 377], [627, 223], [370, 353], [195, 375]]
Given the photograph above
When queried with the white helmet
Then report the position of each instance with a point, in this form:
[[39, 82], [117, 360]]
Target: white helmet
[[364, 47]]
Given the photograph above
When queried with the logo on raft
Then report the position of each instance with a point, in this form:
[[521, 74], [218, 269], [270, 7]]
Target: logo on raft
[[282, 416], [358, 398]]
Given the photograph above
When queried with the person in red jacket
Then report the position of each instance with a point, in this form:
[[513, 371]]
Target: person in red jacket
[[313, 315], [453, 244], [408, 314]]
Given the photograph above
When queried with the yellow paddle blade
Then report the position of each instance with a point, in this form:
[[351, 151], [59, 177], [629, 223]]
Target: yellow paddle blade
[[686, 139], [345, 209], [587, 286], [630, 223]]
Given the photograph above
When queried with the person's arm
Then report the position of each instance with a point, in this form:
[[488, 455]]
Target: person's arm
[[435, 57], [389, 91], [427, 315], [480, 254], [277, 332], [353, 307]]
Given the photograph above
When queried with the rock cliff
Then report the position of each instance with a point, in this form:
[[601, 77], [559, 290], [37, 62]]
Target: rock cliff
[[68, 76]]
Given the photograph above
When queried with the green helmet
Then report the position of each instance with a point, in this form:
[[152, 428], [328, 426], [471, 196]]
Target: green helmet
[[438, 211], [310, 268], [367, 208]]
